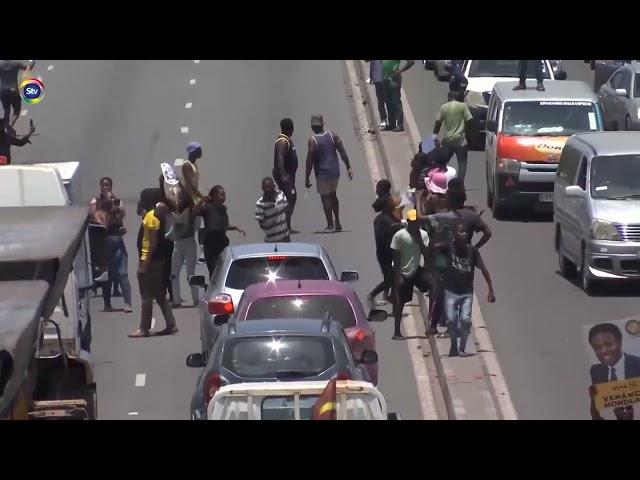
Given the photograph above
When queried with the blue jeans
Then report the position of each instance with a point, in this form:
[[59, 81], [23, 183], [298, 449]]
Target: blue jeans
[[458, 309], [117, 270]]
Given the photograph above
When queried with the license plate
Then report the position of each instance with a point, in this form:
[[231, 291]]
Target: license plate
[[546, 197]]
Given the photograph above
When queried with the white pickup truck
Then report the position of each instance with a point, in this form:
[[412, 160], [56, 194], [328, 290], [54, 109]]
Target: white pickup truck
[[295, 400]]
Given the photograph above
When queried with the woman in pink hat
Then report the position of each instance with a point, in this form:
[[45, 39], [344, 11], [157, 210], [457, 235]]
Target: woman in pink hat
[[434, 197]]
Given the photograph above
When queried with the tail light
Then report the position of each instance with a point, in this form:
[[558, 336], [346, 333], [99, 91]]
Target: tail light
[[360, 335], [221, 304], [343, 376], [214, 382]]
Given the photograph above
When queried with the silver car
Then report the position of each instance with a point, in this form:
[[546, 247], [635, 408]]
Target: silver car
[[242, 265], [620, 98], [596, 207]]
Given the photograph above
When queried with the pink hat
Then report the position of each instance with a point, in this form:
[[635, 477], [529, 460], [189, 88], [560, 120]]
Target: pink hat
[[436, 181]]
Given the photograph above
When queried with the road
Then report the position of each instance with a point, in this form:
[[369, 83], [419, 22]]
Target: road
[[123, 118], [537, 322]]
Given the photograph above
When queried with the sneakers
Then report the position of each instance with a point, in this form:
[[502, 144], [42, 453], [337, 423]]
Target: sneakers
[[519, 87], [128, 309], [384, 124], [399, 128], [397, 336], [540, 87]]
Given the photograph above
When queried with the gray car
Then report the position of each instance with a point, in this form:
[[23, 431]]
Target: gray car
[[620, 98], [242, 265], [275, 351], [597, 207]]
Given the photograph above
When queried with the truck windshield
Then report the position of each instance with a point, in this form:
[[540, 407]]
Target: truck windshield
[[550, 118], [503, 68], [615, 177]]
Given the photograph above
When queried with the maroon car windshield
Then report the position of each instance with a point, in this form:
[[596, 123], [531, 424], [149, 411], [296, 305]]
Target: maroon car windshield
[[303, 306], [247, 271]]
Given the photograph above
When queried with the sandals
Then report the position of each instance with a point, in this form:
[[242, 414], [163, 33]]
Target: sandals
[[139, 334]]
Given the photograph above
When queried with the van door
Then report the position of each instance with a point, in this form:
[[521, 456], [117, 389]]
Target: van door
[[490, 145], [577, 222]]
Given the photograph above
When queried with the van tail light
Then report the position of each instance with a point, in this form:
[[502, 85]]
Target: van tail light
[[343, 376], [214, 382], [360, 335], [221, 304]]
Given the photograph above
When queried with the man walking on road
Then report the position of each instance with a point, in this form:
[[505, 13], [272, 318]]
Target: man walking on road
[[523, 66], [322, 157], [410, 254], [152, 247], [382, 91], [451, 126], [392, 73], [271, 213], [9, 93], [184, 248], [462, 259], [285, 166]]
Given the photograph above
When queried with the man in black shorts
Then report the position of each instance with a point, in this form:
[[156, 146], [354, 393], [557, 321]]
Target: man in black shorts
[[285, 166], [9, 93], [410, 254]]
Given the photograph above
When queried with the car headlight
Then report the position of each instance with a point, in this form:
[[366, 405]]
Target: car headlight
[[508, 165], [603, 230], [474, 99]]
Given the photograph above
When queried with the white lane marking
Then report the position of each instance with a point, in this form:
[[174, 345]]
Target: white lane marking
[[132, 413], [153, 322], [423, 380], [50, 67], [196, 61], [192, 81], [184, 130], [188, 105], [141, 379], [480, 330], [23, 112]]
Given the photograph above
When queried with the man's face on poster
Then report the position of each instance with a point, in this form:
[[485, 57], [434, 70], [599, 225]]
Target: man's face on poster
[[607, 348]]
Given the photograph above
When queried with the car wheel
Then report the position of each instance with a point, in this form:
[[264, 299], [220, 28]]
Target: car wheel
[[567, 267], [627, 123], [588, 284]]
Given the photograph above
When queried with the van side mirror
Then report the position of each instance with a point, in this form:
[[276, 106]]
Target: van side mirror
[[198, 281], [574, 191], [195, 360], [621, 92], [349, 276], [492, 126], [99, 251], [561, 75]]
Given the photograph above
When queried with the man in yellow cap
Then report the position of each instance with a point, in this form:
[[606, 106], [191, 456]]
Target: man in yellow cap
[[410, 254]]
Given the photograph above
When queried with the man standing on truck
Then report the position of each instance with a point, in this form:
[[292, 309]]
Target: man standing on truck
[[8, 138], [9, 93], [523, 66]]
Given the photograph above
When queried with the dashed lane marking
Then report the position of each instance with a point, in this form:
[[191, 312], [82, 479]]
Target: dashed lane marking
[[192, 81], [196, 61], [132, 413], [188, 105], [50, 67], [184, 130], [141, 379]]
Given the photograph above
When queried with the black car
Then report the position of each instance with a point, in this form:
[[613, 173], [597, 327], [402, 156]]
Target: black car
[[275, 350]]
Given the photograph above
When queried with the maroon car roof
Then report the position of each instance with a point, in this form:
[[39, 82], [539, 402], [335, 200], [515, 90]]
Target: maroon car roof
[[292, 287]]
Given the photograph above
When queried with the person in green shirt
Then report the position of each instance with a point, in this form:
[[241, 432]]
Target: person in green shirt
[[392, 71], [452, 124]]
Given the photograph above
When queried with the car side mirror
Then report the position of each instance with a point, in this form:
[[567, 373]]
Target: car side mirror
[[220, 320], [561, 75], [378, 315], [492, 126], [198, 281], [368, 357], [349, 276], [195, 360], [574, 191], [621, 92]]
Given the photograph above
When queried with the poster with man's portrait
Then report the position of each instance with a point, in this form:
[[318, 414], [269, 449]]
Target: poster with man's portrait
[[614, 354]]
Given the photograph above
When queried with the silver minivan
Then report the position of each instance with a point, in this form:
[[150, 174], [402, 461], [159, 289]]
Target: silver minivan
[[596, 205]]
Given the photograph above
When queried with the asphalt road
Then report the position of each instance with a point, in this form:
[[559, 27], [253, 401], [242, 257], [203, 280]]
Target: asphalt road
[[537, 322], [123, 118]]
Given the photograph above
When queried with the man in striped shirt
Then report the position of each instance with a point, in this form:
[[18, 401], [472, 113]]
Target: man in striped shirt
[[271, 213]]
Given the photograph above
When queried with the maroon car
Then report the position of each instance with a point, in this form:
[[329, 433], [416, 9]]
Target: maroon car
[[314, 299]]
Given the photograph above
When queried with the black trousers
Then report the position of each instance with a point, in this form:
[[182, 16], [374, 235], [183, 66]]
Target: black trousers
[[522, 66], [386, 266], [382, 95], [214, 245], [396, 114], [289, 190]]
